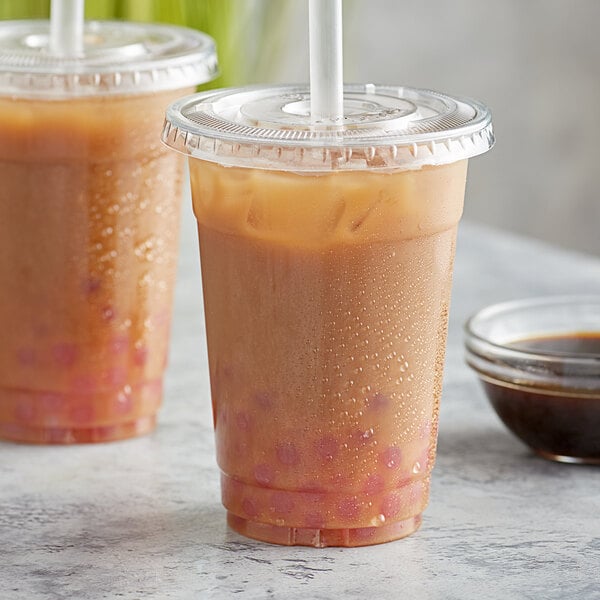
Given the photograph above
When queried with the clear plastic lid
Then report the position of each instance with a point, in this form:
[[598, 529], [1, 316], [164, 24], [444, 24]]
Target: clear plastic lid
[[384, 127], [118, 58]]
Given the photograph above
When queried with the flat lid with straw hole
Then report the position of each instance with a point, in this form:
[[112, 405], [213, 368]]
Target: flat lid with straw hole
[[115, 58], [382, 127]]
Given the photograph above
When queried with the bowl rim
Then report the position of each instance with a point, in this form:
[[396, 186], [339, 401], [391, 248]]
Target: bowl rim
[[493, 311]]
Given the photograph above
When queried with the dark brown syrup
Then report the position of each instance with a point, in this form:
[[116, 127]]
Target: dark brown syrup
[[554, 421]]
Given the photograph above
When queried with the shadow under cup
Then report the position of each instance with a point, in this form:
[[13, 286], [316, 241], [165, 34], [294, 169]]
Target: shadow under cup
[[89, 220]]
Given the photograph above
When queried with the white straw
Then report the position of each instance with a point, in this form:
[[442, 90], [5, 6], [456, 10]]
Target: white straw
[[326, 64], [66, 27]]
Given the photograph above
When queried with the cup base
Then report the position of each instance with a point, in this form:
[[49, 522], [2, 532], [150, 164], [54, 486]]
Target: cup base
[[75, 435], [322, 538]]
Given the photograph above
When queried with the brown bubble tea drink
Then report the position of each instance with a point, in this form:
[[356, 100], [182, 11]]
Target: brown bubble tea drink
[[89, 219], [327, 256]]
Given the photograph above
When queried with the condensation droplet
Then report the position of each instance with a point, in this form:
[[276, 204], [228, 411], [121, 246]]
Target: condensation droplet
[[378, 520], [367, 434]]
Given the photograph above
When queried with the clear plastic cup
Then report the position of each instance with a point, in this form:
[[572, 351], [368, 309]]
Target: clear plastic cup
[[327, 252], [89, 218]]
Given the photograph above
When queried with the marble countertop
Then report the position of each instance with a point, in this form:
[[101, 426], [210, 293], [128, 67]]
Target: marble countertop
[[142, 518]]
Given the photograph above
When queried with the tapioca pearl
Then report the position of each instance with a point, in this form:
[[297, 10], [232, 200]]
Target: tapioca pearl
[[263, 400], [40, 329], [391, 505], [374, 484], [287, 454], [64, 354], [25, 409], [379, 402], [391, 457], [115, 376], [249, 507], [327, 447], [264, 474], [348, 508], [281, 503], [108, 313], [52, 403], [243, 421], [27, 356], [82, 414], [140, 356], [91, 285]]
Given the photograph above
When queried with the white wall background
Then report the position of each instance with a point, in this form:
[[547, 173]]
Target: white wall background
[[535, 63]]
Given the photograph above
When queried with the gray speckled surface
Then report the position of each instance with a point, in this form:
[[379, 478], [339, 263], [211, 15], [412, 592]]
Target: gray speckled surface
[[142, 518]]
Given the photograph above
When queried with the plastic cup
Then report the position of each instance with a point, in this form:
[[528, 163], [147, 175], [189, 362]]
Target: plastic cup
[[89, 218], [327, 255]]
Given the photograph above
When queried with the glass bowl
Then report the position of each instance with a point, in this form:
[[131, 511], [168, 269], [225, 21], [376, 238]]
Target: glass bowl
[[539, 363]]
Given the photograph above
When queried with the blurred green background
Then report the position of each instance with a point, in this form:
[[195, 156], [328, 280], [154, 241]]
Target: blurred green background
[[250, 34]]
